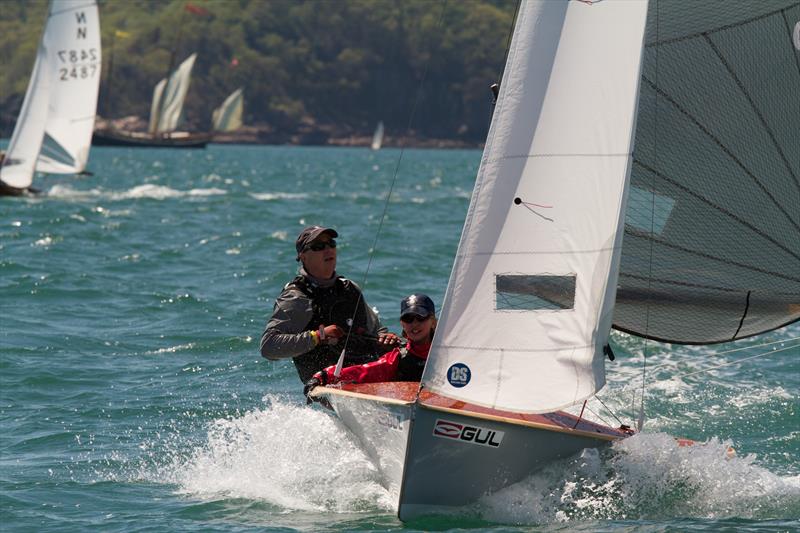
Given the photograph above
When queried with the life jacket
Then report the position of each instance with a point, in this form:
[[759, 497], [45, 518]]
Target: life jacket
[[410, 366], [343, 305]]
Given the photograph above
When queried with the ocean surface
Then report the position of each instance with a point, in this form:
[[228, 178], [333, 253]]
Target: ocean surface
[[133, 396]]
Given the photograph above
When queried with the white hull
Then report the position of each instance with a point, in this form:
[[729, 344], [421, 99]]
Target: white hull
[[453, 455]]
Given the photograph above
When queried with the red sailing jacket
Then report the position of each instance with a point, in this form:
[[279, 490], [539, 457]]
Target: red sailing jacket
[[401, 364]]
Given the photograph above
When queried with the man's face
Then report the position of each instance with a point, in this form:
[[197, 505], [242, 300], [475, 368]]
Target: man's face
[[319, 258]]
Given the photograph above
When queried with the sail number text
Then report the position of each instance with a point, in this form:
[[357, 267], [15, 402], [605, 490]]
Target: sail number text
[[78, 64]]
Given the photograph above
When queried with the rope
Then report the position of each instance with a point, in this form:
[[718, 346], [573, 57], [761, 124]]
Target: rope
[[733, 350], [737, 361], [417, 98]]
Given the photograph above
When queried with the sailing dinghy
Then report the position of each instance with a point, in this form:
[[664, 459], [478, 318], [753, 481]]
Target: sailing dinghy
[[54, 129], [166, 115], [652, 119]]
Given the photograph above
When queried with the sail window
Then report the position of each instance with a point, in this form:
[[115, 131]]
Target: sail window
[[647, 211], [519, 292]]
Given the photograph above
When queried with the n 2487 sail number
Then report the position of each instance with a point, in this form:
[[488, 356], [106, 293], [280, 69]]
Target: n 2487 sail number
[[78, 64]]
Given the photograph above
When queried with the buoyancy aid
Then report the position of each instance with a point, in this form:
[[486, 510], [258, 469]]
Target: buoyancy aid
[[339, 304], [410, 366]]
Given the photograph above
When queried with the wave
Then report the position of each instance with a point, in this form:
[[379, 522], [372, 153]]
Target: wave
[[146, 191]]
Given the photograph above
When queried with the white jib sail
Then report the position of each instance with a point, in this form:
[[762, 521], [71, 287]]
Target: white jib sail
[[528, 306], [23, 149], [228, 116], [170, 112], [377, 137], [74, 59]]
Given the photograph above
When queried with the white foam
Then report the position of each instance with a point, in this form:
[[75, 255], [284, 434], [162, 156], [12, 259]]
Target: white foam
[[148, 191], [648, 477], [287, 455], [269, 196]]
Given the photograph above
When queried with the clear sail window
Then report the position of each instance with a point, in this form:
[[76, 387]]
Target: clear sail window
[[521, 292], [648, 211]]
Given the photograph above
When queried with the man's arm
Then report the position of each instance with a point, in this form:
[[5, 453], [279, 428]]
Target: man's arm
[[286, 334]]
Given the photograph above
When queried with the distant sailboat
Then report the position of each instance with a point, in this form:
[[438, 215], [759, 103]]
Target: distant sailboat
[[228, 116], [377, 137], [166, 115], [54, 128]]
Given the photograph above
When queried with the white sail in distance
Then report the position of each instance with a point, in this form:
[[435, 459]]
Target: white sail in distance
[[54, 128], [377, 137], [228, 116], [529, 304], [166, 112]]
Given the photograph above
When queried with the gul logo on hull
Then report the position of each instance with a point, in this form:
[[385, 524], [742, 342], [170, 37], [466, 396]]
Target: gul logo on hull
[[446, 429]]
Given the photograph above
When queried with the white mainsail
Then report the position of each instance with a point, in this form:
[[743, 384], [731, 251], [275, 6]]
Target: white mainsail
[[228, 116], [166, 112], [54, 128], [74, 86], [528, 307], [377, 137]]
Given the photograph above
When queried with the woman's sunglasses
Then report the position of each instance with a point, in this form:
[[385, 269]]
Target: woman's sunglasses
[[319, 246], [408, 319]]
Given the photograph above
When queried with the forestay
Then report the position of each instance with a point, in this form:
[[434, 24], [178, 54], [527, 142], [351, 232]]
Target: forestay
[[528, 306], [166, 112], [712, 245]]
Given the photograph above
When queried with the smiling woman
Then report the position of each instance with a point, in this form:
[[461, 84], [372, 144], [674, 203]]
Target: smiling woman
[[418, 317]]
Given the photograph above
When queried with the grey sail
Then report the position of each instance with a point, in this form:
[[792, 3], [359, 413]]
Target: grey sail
[[711, 250]]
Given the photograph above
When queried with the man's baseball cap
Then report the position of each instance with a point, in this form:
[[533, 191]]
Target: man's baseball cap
[[309, 235]]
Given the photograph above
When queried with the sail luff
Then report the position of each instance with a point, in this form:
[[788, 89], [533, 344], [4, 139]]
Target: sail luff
[[527, 310]]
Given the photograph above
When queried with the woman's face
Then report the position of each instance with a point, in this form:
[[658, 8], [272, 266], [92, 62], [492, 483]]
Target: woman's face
[[416, 328]]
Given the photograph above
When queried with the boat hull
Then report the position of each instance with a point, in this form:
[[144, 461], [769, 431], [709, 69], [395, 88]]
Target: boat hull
[[146, 140], [453, 452]]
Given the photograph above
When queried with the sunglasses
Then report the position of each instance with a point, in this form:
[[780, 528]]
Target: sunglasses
[[408, 319], [319, 246]]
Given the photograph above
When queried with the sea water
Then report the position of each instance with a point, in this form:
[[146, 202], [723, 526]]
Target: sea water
[[133, 396]]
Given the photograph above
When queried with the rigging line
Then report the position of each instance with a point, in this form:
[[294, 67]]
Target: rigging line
[[640, 419], [723, 352], [607, 409], [411, 117], [737, 361]]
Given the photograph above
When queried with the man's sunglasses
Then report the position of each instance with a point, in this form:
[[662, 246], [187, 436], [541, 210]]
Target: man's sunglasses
[[319, 246], [408, 319]]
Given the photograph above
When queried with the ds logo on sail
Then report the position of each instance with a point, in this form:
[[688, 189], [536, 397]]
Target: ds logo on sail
[[474, 435]]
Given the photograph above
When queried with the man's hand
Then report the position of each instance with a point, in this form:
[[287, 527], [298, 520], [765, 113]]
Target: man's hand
[[389, 340], [330, 334]]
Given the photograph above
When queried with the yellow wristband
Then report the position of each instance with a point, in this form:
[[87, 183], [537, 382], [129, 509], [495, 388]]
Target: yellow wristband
[[315, 337]]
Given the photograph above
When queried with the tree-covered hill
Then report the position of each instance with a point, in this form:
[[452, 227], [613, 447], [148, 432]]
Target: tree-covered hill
[[336, 64]]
